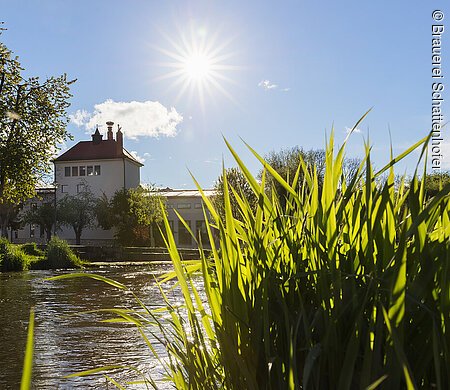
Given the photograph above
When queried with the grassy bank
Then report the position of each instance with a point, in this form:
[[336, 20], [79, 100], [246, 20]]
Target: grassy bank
[[15, 257]]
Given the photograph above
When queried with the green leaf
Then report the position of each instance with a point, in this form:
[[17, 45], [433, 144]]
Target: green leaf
[[27, 371]]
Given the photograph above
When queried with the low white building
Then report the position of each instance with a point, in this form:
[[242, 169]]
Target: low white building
[[188, 203], [105, 166]]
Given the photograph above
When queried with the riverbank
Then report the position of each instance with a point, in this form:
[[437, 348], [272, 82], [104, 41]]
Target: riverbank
[[119, 254], [57, 255]]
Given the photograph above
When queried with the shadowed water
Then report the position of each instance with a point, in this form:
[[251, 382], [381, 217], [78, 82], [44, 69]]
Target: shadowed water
[[67, 343]]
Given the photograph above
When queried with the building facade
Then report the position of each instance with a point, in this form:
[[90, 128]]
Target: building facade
[[187, 203], [104, 167]]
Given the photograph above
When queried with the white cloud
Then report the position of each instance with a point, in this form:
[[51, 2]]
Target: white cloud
[[57, 150], [212, 161], [137, 157], [267, 85], [148, 157], [285, 89], [349, 129], [80, 118], [137, 119]]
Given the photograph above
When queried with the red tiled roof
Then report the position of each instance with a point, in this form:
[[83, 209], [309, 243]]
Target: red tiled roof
[[88, 150]]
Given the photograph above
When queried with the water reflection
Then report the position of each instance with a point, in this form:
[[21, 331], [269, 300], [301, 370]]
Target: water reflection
[[66, 343]]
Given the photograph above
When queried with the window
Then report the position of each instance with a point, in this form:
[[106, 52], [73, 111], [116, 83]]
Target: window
[[96, 170], [198, 206], [90, 170], [201, 232], [80, 188], [16, 234], [64, 188], [184, 205], [67, 171], [82, 171], [32, 231], [74, 171], [184, 238]]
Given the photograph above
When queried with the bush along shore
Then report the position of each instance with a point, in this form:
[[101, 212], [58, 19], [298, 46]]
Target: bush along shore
[[58, 254], [343, 285]]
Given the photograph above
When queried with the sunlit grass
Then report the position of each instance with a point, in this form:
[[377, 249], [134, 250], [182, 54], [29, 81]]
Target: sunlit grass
[[27, 371], [343, 287]]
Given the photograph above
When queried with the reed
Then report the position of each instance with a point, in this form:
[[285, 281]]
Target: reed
[[344, 286], [347, 286]]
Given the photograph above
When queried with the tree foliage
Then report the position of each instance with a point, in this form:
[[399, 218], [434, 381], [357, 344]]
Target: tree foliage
[[44, 216], [236, 181], [134, 213], [434, 182], [9, 217], [287, 161], [77, 212], [32, 123]]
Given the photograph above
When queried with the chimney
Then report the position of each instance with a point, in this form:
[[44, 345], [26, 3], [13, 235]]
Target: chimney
[[97, 137], [119, 141], [110, 132]]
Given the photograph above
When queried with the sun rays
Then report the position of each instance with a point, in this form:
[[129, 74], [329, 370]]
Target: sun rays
[[198, 65]]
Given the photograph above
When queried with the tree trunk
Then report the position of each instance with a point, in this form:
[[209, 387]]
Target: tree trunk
[[152, 236], [78, 236], [4, 228]]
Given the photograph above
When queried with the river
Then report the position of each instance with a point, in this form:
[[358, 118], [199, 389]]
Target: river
[[66, 342]]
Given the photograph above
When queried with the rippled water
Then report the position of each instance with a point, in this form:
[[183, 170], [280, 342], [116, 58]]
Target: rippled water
[[66, 343]]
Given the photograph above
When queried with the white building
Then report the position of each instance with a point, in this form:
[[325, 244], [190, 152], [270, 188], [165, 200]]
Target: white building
[[188, 203], [105, 166]]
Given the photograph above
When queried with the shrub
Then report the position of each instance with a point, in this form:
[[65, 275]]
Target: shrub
[[59, 255], [11, 257], [32, 249]]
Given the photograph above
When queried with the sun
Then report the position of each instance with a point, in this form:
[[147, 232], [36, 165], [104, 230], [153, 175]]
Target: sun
[[198, 67], [198, 63]]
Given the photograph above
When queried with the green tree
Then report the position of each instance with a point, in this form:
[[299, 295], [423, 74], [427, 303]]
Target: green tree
[[9, 218], [32, 123], [237, 181], [435, 181], [43, 216], [287, 161], [134, 213], [77, 212]]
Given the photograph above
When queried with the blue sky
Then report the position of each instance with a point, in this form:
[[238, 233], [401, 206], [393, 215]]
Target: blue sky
[[287, 72]]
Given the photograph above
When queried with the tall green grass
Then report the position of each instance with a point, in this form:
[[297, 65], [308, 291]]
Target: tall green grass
[[13, 258], [343, 287], [59, 255]]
